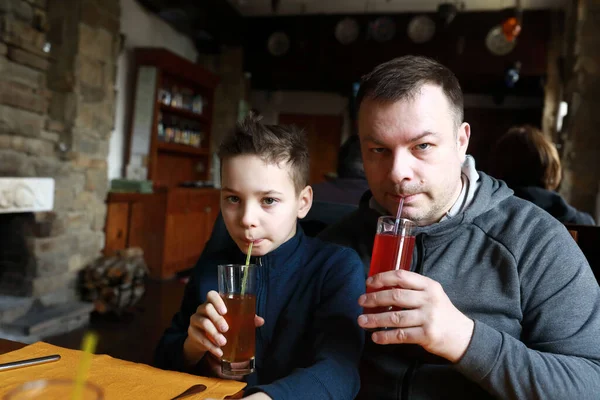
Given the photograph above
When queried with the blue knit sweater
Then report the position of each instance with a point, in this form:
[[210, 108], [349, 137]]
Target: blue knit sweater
[[307, 292]]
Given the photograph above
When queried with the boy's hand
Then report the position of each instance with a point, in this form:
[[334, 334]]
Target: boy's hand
[[207, 325], [206, 329]]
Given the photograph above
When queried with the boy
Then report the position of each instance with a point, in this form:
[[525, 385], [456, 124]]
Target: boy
[[309, 343]]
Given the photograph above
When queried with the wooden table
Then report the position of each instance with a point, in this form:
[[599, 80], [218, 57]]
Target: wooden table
[[7, 346]]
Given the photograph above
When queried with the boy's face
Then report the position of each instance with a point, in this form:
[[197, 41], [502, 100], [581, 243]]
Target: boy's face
[[259, 203]]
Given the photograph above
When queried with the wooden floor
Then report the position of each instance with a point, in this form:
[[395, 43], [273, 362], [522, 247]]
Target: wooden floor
[[133, 336]]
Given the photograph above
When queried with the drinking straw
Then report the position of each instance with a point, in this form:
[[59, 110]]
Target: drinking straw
[[398, 214], [88, 347], [396, 224], [245, 277]]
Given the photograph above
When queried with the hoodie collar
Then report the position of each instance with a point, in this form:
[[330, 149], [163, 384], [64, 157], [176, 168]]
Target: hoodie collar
[[477, 199], [281, 255]]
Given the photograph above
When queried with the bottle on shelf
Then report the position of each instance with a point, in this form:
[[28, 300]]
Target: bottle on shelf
[[198, 104], [161, 128]]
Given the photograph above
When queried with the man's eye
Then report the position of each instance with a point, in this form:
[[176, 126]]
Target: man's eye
[[377, 150], [232, 199], [269, 201], [423, 146]]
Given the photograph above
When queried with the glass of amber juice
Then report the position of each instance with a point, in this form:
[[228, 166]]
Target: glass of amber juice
[[237, 287]]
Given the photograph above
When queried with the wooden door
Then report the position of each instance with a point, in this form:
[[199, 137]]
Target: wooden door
[[117, 227], [191, 214], [324, 140]]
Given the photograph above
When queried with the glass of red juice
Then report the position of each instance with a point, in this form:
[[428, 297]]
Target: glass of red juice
[[237, 288], [392, 249]]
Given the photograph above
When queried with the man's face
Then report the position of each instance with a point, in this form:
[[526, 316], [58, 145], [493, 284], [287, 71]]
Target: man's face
[[259, 203], [413, 149]]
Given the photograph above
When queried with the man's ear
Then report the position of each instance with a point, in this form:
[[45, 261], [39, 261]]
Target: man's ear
[[462, 140], [305, 199]]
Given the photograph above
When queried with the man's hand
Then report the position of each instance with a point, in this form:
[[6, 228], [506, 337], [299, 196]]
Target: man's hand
[[427, 317], [205, 332]]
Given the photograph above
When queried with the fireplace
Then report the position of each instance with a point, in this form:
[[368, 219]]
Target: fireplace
[[30, 309]]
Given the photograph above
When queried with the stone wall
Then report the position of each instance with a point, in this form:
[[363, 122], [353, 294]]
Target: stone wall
[[57, 96], [581, 133]]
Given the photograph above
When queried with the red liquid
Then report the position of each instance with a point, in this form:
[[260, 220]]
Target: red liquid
[[383, 258], [241, 334]]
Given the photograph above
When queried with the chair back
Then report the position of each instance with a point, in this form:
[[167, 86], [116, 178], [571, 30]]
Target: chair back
[[588, 239]]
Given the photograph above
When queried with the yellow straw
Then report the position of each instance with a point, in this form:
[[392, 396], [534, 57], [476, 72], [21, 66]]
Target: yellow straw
[[245, 277], [249, 253], [88, 347]]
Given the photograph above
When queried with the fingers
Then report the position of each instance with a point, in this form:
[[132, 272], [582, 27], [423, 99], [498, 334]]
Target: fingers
[[205, 340], [399, 278], [258, 321], [207, 324], [401, 298], [392, 319], [412, 335], [217, 301]]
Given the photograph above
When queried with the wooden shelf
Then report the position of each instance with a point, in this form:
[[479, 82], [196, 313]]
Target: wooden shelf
[[182, 112], [181, 148]]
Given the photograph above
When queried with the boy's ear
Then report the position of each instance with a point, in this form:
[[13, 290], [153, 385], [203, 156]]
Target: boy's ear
[[305, 199]]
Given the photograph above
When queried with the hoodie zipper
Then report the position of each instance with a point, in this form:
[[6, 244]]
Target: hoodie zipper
[[260, 302], [410, 371]]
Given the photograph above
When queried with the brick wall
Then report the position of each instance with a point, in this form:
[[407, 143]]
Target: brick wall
[[57, 97]]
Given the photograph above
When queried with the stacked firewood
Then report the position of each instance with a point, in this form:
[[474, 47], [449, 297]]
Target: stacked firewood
[[115, 284]]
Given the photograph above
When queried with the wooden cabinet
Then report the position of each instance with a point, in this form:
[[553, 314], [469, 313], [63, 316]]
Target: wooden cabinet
[[172, 226], [169, 144], [171, 119]]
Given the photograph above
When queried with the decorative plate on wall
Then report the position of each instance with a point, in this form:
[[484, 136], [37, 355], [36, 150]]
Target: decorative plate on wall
[[421, 29], [497, 43], [347, 30], [383, 29], [278, 44]]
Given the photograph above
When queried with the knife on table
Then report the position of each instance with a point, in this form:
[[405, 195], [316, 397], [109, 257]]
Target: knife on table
[[28, 362]]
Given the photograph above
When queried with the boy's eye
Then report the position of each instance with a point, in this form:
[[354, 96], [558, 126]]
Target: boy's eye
[[232, 199], [423, 146], [269, 201]]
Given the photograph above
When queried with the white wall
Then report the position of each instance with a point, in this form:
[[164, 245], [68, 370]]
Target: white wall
[[271, 104], [141, 29]]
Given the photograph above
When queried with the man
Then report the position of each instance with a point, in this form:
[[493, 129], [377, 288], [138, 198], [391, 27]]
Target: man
[[499, 302]]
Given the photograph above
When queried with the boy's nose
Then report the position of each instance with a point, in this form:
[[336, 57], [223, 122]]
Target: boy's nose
[[249, 217]]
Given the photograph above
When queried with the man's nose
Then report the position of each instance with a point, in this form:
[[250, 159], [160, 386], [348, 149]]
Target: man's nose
[[402, 168]]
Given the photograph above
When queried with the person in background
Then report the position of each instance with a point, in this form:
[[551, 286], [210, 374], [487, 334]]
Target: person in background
[[499, 301], [308, 344], [529, 164], [350, 183]]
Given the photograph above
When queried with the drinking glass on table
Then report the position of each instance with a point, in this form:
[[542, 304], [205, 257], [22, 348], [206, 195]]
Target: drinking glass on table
[[237, 287], [54, 389], [392, 249]]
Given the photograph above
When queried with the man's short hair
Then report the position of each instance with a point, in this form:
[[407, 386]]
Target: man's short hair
[[274, 144], [523, 156], [403, 77]]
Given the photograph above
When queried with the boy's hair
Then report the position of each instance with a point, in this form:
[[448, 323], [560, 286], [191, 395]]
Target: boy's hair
[[274, 144], [523, 156], [403, 77]]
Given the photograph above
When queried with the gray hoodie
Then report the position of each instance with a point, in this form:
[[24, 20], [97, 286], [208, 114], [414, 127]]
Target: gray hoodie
[[518, 274]]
